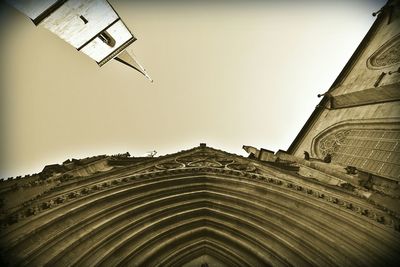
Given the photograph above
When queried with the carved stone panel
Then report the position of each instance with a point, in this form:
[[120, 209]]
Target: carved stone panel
[[386, 56]]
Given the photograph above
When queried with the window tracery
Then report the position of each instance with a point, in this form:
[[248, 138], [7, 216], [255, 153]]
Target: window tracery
[[373, 150]]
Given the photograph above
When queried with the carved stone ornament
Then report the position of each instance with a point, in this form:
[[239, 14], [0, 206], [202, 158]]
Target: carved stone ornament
[[169, 165], [386, 56], [202, 159], [331, 143]]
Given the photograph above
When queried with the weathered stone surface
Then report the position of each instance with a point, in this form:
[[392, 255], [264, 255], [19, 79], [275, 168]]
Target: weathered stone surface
[[357, 121], [206, 207], [241, 211]]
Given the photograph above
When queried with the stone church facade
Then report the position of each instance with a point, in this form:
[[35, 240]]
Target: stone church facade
[[332, 199]]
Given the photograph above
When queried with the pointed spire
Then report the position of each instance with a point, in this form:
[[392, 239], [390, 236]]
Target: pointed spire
[[128, 58]]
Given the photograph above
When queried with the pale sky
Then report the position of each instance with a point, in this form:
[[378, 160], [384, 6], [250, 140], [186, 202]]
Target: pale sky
[[226, 73]]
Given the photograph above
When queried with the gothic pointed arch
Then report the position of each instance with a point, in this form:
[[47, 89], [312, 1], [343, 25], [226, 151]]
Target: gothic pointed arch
[[199, 204]]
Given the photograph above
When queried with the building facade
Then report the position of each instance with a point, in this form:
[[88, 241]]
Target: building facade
[[332, 199]]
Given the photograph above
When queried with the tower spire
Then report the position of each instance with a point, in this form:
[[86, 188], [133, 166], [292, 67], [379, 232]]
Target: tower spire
[[128, 58], [91, 26]]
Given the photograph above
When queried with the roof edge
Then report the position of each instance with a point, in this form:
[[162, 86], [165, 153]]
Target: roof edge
[[342, 75]]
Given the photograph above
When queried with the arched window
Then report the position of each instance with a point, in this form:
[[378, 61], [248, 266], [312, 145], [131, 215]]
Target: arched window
[[368, 146]]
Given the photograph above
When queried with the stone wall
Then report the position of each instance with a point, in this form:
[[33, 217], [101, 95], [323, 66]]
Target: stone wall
[[364, 99]]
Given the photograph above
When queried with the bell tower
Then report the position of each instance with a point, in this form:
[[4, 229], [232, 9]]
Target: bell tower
[[91, 26]]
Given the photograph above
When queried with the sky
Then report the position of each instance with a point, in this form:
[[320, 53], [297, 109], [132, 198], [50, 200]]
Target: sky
[[226, 73]]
